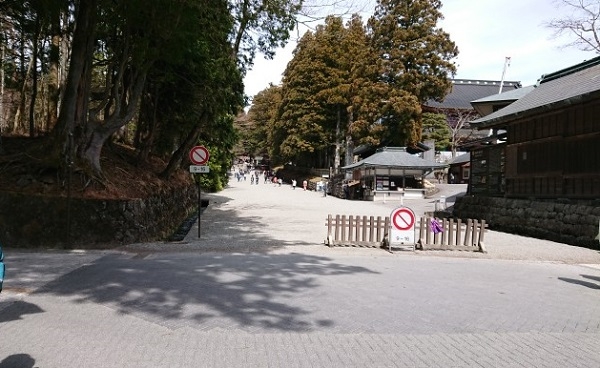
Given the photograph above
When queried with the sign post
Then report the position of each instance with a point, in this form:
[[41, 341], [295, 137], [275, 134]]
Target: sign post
[[402, 228], [199, 156]]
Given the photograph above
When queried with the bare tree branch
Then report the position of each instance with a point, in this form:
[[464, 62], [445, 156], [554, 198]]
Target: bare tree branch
[[583, 23]]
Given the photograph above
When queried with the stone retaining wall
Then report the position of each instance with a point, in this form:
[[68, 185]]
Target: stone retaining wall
[[30, 221], [562, 221]]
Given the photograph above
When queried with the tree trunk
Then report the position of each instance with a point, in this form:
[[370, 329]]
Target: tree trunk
[[74, 108], [338, 145], [2, 52], [189, 142], [93, 150], [349, 142], [53, 75], [34, 78]]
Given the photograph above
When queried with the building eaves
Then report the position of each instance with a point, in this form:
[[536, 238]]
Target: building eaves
[[572, 85], [396, 157], [466, 90], [505, 97]]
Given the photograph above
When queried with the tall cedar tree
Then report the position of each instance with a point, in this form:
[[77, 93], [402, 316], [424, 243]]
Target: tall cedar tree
[[413, 65], [303, 126], [320, 87], [263, 114]]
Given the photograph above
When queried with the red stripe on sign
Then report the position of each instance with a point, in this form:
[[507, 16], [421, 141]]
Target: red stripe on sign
[[403, 219]]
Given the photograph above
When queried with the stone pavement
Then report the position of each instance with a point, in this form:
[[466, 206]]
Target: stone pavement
[[259, 289]]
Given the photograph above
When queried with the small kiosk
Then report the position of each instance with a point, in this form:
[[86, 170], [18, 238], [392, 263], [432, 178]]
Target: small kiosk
[[392, 174]]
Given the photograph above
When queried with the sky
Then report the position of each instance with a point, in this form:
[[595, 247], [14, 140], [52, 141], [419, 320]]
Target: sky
[[486, 32]]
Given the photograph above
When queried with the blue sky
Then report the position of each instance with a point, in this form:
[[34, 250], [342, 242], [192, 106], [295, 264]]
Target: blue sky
[[486, 32]]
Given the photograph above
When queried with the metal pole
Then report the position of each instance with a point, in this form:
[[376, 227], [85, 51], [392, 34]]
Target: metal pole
[[199, 205], [69, 177], [506, 65]]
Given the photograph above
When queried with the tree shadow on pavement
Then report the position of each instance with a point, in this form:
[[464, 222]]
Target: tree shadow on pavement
[[250, 291], [17, 361], [17, 309], [235, 229]]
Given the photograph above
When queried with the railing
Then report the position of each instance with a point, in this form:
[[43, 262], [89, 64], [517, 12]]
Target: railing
[[434, 234], [361, 231]]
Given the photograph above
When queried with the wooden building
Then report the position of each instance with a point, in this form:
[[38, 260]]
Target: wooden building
[[459, 108], [391, 174], [547, 143]]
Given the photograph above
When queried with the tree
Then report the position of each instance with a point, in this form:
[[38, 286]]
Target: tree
[[320, 88], [303, 126], [413, 64], [263, 114], [583, 23], [261, 25], [436, 127], [458, 120], [155, 74]]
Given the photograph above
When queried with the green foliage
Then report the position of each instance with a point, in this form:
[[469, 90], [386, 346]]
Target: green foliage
[[263, 115], [219, 139], [261, 25], [365, 85], [435, 126], [412, 57], [321, 87]]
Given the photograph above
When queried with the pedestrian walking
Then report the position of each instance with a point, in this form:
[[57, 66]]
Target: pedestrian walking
[[304, 185], [294, 184]]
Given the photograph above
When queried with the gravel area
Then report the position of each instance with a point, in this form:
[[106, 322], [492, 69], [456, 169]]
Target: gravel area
[[266, 217]]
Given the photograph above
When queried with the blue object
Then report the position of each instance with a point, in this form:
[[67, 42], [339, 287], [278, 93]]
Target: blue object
[[1, 267]]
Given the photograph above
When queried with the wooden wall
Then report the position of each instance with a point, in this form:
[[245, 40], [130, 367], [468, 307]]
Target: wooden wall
[[553, 155]]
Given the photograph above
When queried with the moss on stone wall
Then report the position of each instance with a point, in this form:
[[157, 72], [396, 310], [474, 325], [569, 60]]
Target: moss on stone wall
[[55, 222]]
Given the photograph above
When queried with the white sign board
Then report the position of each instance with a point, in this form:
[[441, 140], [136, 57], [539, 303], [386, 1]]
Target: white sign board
[[197, 169], [402, 227]]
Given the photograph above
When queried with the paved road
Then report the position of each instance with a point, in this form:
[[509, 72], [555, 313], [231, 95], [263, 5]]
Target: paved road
[[258, 289]]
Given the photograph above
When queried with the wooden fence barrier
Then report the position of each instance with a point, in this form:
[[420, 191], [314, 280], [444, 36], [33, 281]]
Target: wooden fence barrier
[[358, 231], [454, 235], [371, 232]]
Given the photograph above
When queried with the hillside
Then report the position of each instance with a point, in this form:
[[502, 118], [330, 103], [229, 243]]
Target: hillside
[[22, 170]]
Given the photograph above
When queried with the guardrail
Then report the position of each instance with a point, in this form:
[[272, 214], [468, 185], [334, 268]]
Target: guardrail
[[433, 234], [447, 234], [361, 231]]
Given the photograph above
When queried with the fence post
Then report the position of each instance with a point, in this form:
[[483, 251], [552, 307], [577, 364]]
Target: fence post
[[329, 225], [343, 227], [337, 227], [386, 227], [458, 231], [364, 228], [378, 227], [350, 227], [480, 242]]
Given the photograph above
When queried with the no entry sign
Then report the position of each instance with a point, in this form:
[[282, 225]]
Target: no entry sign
[[402, 227], [403, 218], [199, 155]]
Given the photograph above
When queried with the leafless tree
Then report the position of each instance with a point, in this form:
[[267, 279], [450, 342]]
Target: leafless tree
[[583, 22], [461, 131]]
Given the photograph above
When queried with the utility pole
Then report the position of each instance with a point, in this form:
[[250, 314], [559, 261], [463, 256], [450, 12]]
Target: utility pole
[[506, 65]]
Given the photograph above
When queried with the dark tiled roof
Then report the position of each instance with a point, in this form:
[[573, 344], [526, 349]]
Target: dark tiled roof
[[509, 96], [565, 87], [466, 90], [398, 158]]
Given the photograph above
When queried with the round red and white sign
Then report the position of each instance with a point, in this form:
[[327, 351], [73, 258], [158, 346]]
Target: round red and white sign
[[403, 218], [199, 155]]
